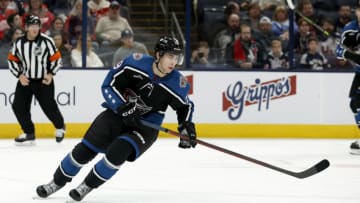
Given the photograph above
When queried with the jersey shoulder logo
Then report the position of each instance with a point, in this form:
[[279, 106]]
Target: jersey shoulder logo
[[183, 81], [137, 56]]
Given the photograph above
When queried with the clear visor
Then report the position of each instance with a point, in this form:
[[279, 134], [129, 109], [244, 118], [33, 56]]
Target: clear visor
[[178, 56], [180, 59]]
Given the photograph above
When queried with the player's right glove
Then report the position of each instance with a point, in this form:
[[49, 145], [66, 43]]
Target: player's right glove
[[187, 128]]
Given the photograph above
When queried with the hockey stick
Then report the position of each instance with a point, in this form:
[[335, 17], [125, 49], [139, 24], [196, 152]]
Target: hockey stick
[[292, 7], [322, 165]]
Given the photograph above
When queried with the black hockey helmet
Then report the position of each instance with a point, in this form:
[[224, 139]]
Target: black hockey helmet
[[32, 20], [170, 45]]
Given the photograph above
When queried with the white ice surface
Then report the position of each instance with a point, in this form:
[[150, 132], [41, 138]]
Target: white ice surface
[[168, 174]]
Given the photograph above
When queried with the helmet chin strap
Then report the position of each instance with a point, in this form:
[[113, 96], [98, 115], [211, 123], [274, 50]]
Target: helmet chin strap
[[157, 67]]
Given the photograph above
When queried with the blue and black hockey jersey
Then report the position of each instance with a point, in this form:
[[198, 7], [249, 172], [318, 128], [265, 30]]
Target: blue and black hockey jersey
[[135, 73]]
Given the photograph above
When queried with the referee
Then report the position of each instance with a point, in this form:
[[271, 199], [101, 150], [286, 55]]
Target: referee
[[34, 60]]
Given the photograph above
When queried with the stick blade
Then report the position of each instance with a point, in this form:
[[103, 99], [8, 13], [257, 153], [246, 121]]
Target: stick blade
[[322, 165], [290, 4], [317, 168]]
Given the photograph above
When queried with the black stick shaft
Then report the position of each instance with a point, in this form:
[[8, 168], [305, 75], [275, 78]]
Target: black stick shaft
[[311, 171]]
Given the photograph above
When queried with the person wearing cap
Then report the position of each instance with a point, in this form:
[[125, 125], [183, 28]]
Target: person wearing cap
[[34, 60], [265, 35], [108, 28], [348, 49], [129, 46]]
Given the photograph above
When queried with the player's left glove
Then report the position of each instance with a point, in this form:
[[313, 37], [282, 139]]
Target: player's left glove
[[187, 128]]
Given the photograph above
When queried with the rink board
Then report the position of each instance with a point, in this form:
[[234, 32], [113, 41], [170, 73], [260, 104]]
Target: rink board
[[227, 104]]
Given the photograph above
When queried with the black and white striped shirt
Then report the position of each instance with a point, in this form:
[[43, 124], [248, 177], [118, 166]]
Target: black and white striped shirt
[[34, 58]]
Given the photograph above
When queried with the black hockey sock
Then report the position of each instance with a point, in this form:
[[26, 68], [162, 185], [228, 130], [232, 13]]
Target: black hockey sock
[[116, 155]]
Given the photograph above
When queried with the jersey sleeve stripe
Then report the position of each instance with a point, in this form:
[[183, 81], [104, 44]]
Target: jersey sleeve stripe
[[136, 70], [173, 93]]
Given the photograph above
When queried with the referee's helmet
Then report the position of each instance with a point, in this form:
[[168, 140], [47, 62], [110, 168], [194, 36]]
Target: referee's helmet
[[32, 20]]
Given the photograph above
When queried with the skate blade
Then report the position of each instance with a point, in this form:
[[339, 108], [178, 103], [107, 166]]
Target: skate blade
[[26, 143], [355, 151]]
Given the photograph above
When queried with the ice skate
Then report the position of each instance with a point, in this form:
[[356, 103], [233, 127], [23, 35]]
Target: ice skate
[[48, 189], [80, 192], [25, 140], [59, 134], [355, 148]]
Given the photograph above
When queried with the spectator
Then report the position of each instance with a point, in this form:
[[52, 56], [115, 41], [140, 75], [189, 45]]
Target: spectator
[[226, 38], [313, 59], [7, 8], [343, 19], [6, 43], [253, 17], [281, 23], [37, 8], [58, 26], [92, 59], [201, 54], [270, 5], [328, 43], [129, 46], [276, 59], [64, 49], [109, 28], [302, 37], [306, 8], [247, 52], [265, 35], [14, 20], [73, 24], [98, 8], [230, 8]]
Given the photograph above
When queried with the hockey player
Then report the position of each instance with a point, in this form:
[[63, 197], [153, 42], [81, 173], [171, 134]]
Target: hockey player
[[349, 48], [139, 87]]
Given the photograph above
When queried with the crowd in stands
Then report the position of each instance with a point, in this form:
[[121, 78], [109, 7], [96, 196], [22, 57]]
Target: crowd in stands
[[246, 34], [107, 21], [254, 34]]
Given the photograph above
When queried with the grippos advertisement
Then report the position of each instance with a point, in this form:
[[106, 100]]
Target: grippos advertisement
[[219, 97]]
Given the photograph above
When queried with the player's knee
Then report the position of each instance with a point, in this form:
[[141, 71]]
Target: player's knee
[[119, 151], [83, 154]]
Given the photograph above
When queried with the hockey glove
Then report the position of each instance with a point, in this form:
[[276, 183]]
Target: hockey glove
[[350, 39], [130, 114], [188, 129], [352, 56]]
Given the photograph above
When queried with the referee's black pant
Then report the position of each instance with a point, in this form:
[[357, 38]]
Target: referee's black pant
[[44, 95]]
